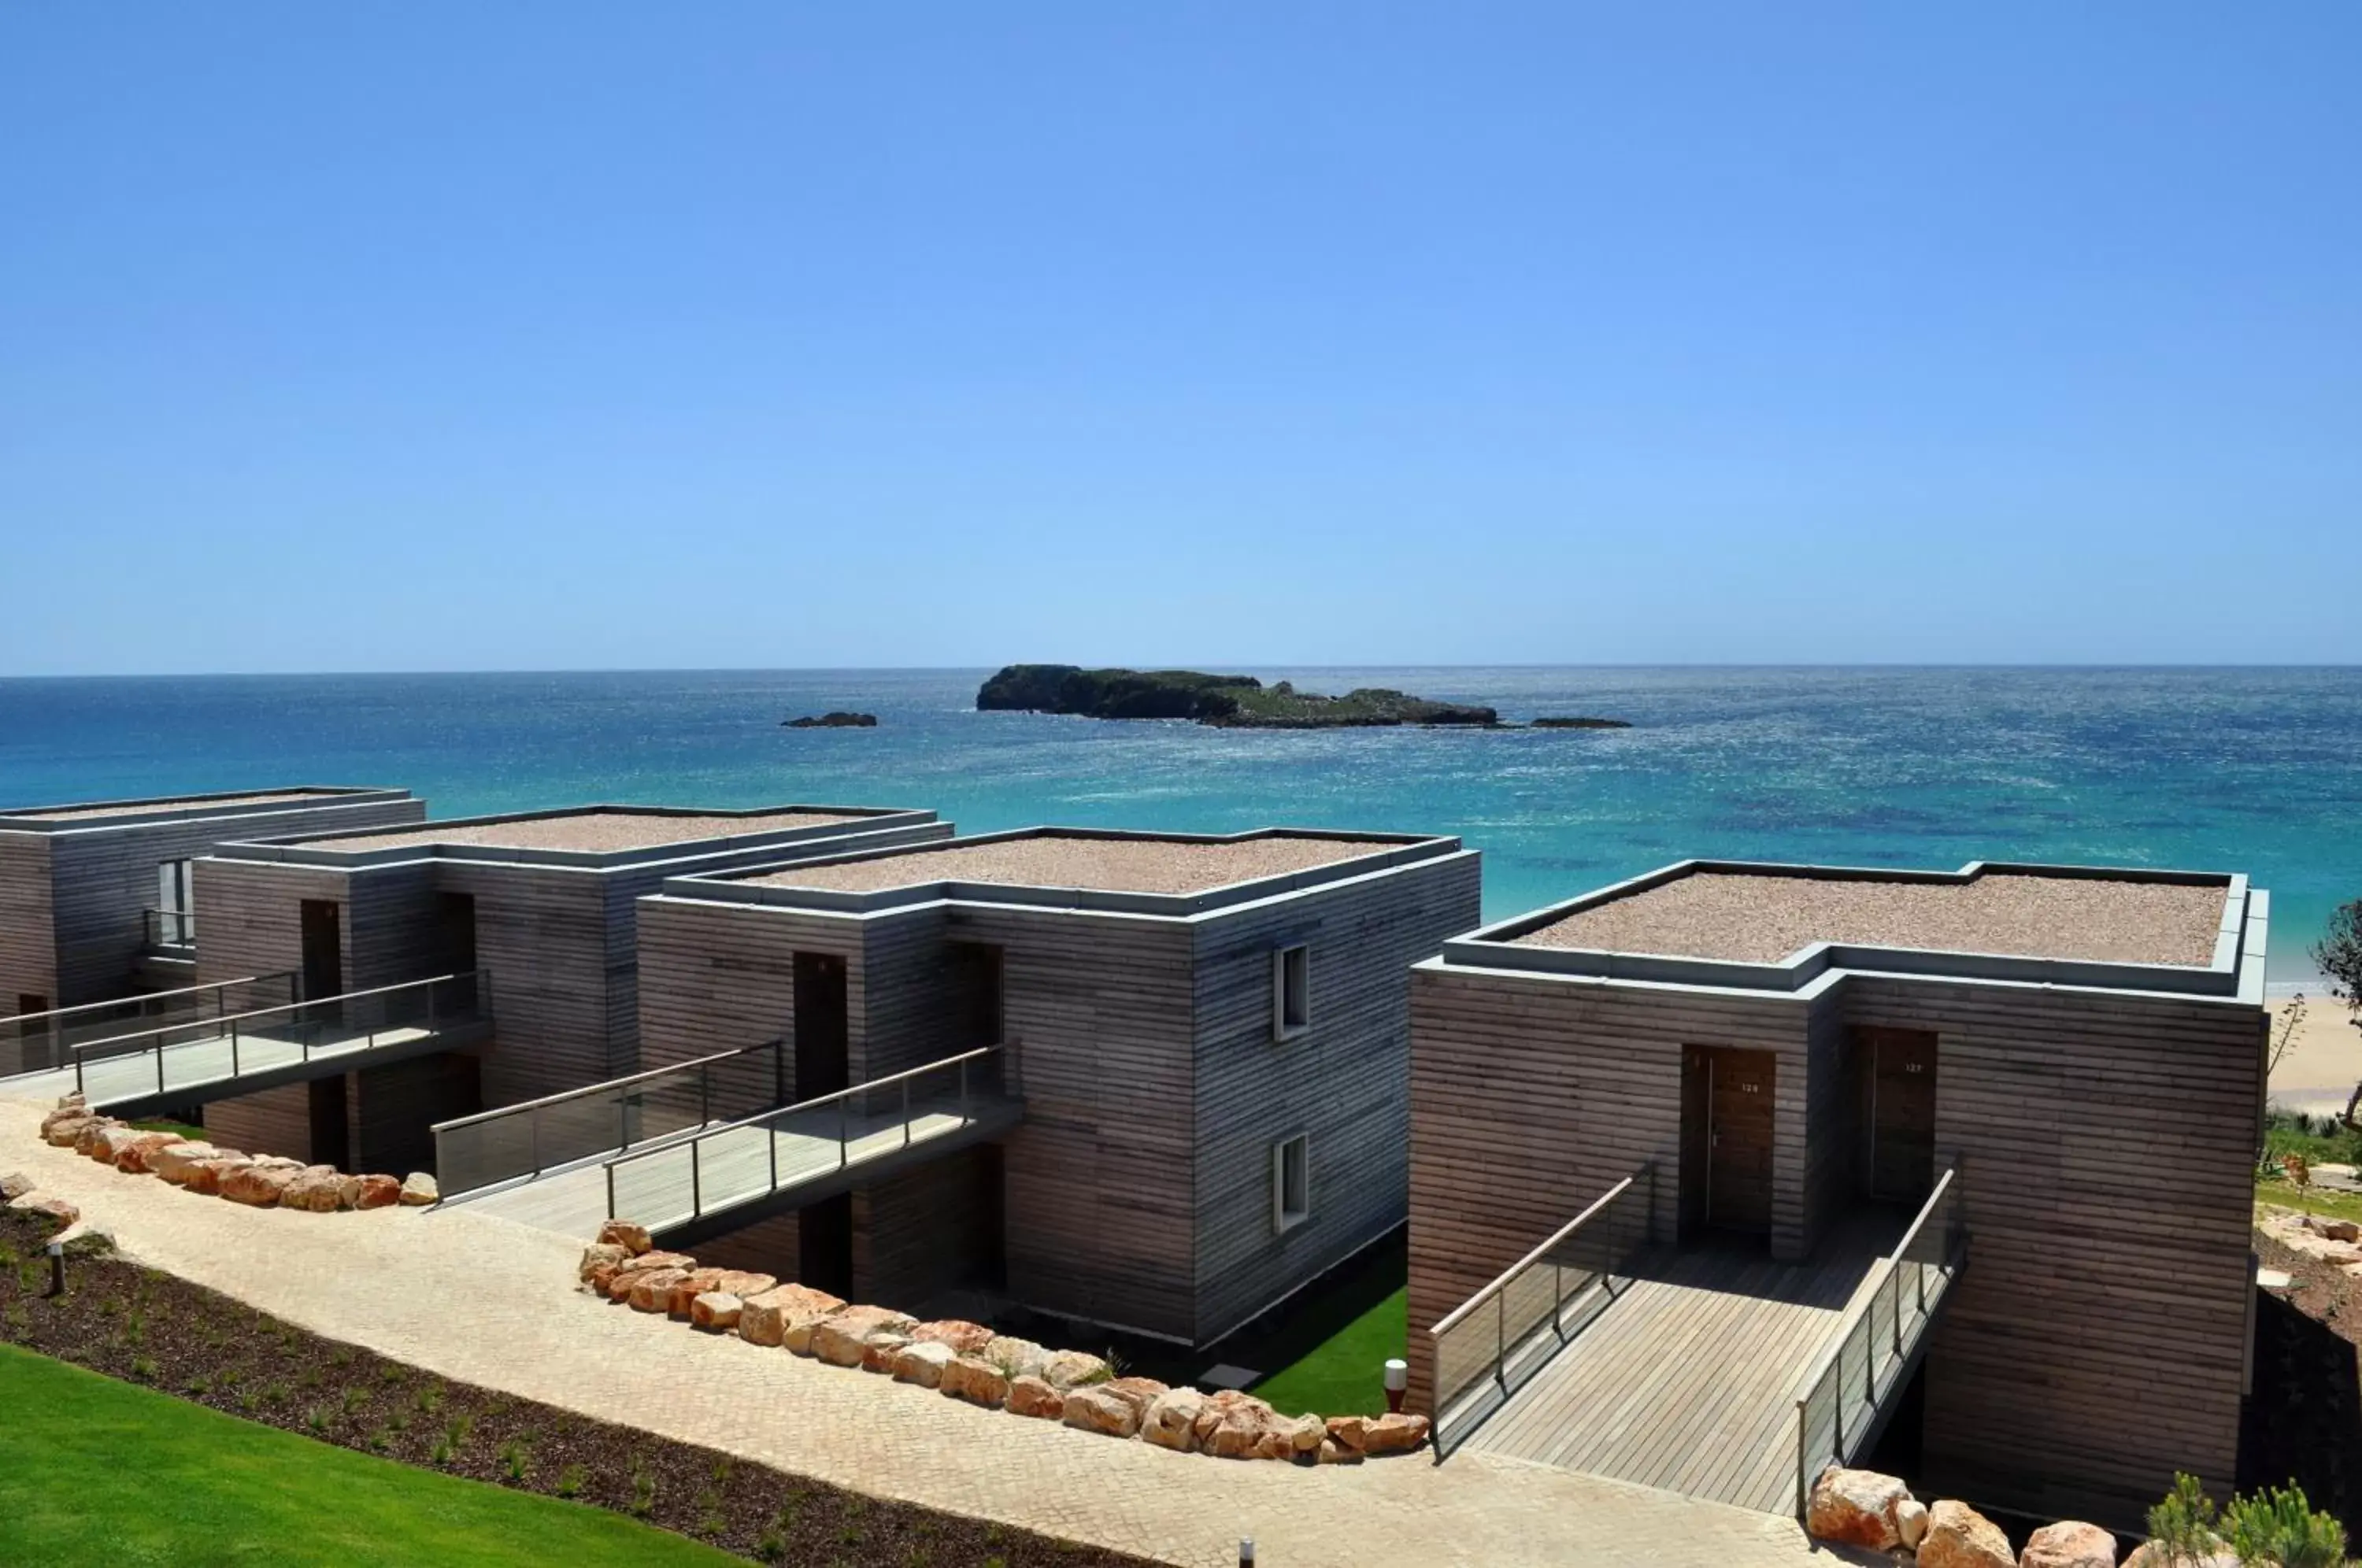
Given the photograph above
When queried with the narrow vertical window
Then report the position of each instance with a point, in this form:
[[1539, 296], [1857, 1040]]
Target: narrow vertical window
[[1291, 1182], [176, 907], [1291, 991]]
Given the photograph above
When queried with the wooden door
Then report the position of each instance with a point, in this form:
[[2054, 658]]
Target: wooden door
[[822, 1026], [825, 1245], [1738, 1176], [1901, 1112], [323, 950]]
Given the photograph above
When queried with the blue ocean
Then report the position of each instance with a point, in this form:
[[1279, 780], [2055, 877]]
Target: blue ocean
[[2249, 769]]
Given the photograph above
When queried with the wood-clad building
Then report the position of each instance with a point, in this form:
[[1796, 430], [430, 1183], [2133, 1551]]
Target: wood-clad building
[[94, 897], [1782, 1044], [543, 904], [1210, 1034]]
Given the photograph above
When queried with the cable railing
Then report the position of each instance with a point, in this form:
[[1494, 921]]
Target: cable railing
[[168, 929], [43, 1042], [520, 1140], [1872, 1349], [187, 1055], [1502, 1335], [720, 1167]]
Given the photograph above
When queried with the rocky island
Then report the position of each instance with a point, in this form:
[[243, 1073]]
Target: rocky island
[[835, 719], [1231, 702]]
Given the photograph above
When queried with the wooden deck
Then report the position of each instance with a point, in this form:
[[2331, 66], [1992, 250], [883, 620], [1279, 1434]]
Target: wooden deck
[[734, 1167], [210, 1069], [1688, 1381]]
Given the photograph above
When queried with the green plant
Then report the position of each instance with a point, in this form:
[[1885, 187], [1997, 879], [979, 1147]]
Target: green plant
[[250, 1402], [570, 1480], [197, 1387], [355, 1397], [2182, 1525], [430, 1398], [441, 1453], [514, 1460], [276, 1393], [772, 1548], [2277, 1529], [456, 1431], [378, 1440], [144, 1368], [643, 1493], [317, 1418]]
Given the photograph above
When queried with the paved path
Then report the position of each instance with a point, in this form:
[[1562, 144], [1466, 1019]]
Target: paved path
[[480, 1299]]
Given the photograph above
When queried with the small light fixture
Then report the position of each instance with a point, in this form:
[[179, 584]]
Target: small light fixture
[[57, 1268], [1246, 1552], [1398, 1381]]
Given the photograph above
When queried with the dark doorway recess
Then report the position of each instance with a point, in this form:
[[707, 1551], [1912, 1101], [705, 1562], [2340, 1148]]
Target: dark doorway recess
[[1898, 1071], [822, 1026], [324, 949], [1727, 1128], [825, 1245]]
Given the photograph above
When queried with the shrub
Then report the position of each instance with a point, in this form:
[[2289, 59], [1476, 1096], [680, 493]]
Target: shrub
[[512, 1459], [2182, 1525], [643, 1493], [2279, 1528], [570, 1480]]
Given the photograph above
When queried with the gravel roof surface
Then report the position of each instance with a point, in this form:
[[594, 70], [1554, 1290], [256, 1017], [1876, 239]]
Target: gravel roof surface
[[1762, 920], [589, 831], [1100, 865], [164, 808]]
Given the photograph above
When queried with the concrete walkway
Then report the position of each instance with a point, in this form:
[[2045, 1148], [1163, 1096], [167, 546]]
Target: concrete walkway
[[480, 1299]]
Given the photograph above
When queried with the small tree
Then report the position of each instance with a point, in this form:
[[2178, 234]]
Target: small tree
[[2277, 1529], [2339, 954], [2181, 1527]]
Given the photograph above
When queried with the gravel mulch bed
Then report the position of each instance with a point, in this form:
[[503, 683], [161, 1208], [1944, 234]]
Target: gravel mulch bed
[[155, 1328], [1099, 864], [594, 831], [1762, 920]]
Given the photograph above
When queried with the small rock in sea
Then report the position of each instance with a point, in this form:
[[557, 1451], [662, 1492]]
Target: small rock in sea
[[832, 720], [1582, 722]]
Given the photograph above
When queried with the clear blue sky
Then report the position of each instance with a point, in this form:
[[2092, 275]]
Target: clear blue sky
[[470, 336]]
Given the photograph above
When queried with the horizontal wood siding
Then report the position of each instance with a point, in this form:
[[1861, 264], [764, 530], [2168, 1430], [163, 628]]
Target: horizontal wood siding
[[2094, 1346], [389, 1110], [28, 949], [1344, 1082], [541, 932], [923, 1232], [1099, 1182], [768, 1246], [104, 880], [275, 1121], [250, 915], [1530, 1097]]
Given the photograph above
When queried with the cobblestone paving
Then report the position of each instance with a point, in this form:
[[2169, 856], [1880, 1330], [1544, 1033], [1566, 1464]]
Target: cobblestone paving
[[480, 1299]]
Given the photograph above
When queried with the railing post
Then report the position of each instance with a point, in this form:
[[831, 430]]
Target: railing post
[[532, 1136], [233, 1050], [1803, 1443], [771, 1140], [611, 1193], [696, 1177], [963, 1091], [906, 1113], [705, 1097], [1501, 1341], [840, 1131], [624, 1120]]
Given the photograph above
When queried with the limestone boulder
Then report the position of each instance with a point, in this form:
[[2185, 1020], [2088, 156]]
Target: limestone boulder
[[923, 1362], [320, 1189], [625, 1233], [1305, 1434], [88, 1136], [1331, 1452], [1018, 1358], [842, 1338], [880, 1352], [746, 1284], [964, 1337], [650, 1289], [1233, 1425], [1030, 1395], [418, 1189], [255, 1184], [1098, 1406], [66, 1110], [2340, 1229], [596, 1256], [279, 1163], [376, 1192], [1393, 1434], [975, 1380], [716, 1310], [15, 1185], [692, 1285], [1959, 1537], [174, 1161], [108, 1145], [2069, 1543], [627, 1273], [135, 1158], [66, 1131], [770, 1314], [205, 1175], [1911, 1522], [1071, 1369], [49, 1205], [1171, 1418], [1857, 1507], [2151, 1555]]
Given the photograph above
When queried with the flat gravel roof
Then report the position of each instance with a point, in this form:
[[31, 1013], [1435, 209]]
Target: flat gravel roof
[[172, 807], [594, 832], [1759, 919], [1129, 865]]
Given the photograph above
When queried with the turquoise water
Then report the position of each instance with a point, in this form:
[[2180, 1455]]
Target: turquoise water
[[2246, 769]]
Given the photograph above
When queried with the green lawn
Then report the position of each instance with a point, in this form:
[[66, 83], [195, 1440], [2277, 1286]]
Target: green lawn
[[96, 1471], [1328, 1353]]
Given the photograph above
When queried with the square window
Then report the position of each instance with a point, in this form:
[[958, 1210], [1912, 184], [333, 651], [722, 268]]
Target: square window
[[1291, 991], [1291, 1182]]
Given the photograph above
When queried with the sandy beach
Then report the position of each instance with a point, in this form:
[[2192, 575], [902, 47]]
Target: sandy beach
[[2322, 1068]]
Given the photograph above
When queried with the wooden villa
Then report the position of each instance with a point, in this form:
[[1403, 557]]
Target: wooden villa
[[1725, 1173], [1153, 1082]]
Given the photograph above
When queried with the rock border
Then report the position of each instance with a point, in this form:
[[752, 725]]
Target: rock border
[[261, 1181], [969, 1362]]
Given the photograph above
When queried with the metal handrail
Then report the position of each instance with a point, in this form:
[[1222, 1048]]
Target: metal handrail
[[157, 921], [1451, 1319], [609, 1086], [283, 1007], [1885, 1295], [477, 1151], [144, 997], [1513, 1359], [840, 1099]]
